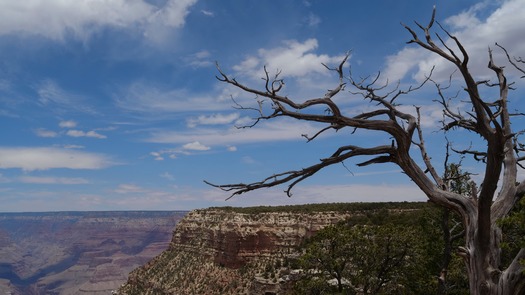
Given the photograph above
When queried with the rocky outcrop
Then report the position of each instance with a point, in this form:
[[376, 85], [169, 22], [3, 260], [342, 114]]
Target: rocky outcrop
[[78, 252], [234, 239], [224, 251]]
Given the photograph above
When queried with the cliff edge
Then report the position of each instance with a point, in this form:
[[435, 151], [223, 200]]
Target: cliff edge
[[232, 251]]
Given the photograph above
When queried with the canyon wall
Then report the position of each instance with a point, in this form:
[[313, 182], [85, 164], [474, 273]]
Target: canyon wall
[[228, 251]]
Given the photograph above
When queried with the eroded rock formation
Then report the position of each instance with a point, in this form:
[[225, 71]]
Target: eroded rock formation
[[222, 251]]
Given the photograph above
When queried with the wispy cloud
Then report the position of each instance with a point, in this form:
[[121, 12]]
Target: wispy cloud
[[199, 59], [147, 98], [207, 12], [59, 100], [184, 149], [195, 146], [73, 146], [143, 197], [129, 188], [80, 133], [215, 119], [265, 131], [157, 156], [167, 176], [56, 20], [43, 158], [41, 132], [313, 20], [52, 180], [170, 153], [67, 124]]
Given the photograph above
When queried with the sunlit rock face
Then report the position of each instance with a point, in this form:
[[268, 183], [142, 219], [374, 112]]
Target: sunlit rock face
[[220, 251], [233, 239], [78, 252]]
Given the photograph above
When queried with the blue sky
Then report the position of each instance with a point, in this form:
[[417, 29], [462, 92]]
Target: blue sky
[[114, 105]]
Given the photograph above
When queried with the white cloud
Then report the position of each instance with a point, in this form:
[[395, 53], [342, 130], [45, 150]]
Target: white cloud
[[56, 19], [67, 124], [52, 95], [294, 59], [174, 12], [215, 119], [170, 153], [202, 54], [250, 63], [195, 146], [504, 26], [401, 63], [75, 133], [41, 132], [158, 156], [43, 158], [52, 180], [80, 133], [463, 20], [232, 148], [95, 134], [185, 149], [431, 115], [159, 25]]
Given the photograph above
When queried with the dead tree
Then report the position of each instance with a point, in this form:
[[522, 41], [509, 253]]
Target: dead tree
[[490, 119]]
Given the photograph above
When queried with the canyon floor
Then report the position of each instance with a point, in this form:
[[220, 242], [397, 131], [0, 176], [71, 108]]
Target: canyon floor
[[78, 252]]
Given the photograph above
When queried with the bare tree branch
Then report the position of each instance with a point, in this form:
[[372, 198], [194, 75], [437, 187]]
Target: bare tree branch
[[513, 62]]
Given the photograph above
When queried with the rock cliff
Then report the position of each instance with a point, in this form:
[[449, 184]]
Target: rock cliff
[[228, 251]]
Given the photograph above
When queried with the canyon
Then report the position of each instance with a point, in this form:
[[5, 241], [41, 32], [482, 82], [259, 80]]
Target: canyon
[[218, 250], [79, 252]]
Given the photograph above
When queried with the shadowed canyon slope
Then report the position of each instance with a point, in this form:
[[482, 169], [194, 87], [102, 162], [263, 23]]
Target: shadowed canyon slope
[[78, 252]]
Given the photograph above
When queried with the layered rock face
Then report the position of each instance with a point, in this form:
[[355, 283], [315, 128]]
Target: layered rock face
[[220, 251], [78, 252], [234, 239]]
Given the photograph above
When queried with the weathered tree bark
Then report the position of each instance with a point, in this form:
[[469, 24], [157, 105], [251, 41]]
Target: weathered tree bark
[[491, 120]]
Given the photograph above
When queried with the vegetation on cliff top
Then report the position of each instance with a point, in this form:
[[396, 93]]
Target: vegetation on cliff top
[[324, 207], [405, 235]]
